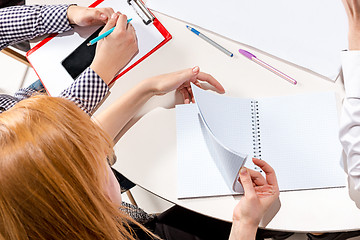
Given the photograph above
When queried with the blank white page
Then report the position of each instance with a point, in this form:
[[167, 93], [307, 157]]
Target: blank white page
[[308, 33], [198, 175], [47, 59], [227, 161], [299, 139], [228, 118], [217, 128]]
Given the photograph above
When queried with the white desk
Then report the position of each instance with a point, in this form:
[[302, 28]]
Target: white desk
[[147, 152]]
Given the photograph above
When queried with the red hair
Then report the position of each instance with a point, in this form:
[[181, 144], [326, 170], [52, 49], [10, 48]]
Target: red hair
[[52, 166]]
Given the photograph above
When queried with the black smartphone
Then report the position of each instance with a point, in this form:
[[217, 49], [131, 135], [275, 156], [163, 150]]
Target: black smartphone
[[81, 57]]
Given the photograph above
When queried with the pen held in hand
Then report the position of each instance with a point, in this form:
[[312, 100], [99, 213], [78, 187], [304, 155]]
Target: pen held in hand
[[105, 34], [212, 42], [267, 66]]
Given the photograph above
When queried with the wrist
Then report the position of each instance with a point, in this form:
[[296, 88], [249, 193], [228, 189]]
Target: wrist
[[354, 36], [70, 13], [241, 230], [247, 218], [248, 223], [104, 74], [354, 40], [148, 87]]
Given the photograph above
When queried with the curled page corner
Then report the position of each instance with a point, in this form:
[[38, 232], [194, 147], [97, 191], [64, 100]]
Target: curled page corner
[[226, 159], [237, 187]]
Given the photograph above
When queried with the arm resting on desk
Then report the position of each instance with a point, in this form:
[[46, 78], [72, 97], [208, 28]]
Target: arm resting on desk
[[19, 23]]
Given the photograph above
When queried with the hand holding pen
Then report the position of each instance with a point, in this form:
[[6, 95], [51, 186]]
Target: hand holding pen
[[117, 49], [103, 35]]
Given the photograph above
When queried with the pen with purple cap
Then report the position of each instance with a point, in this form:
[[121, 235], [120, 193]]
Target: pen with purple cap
[[267, 66]]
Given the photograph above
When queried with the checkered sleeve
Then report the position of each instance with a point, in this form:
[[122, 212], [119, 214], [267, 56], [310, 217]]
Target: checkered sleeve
[[19, 23], [24, 93], [87, 91], [8, 101]]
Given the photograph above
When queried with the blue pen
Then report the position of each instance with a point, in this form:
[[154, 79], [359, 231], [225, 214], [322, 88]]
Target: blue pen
[[105, 34], [221, 48]]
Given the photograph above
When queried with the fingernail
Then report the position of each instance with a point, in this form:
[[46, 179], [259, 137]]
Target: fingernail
[[102, 16], [195, 69], [243, 171], [113, 15]]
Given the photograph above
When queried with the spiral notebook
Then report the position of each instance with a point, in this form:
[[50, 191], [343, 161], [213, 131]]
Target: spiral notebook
[[297, 135]]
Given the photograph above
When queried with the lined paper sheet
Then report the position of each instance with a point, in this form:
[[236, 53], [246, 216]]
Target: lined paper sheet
[[307, 33]]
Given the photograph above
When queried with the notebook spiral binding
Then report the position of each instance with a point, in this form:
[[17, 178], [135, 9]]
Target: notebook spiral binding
[[256, 129]]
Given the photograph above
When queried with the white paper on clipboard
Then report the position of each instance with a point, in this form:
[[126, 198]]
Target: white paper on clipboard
[[46, 58]]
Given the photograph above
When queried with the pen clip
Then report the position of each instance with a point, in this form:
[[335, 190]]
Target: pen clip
[[142, 11]]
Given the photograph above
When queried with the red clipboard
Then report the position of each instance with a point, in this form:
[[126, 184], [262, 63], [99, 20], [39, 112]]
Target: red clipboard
[[162, 30]]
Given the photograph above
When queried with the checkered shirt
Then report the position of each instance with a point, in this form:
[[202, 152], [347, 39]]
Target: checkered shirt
[[87, 91], [20, 23]]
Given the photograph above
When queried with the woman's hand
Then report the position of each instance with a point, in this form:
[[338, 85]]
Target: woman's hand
[[352, 8], [259, 195], [84, 16], [180, 81], [116, 50]]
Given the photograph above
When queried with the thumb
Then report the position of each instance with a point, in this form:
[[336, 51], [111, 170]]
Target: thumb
[[195, 70], [246, 182], [192, 73], [110, 23], [187, 75], [100, 17]]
